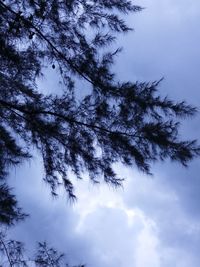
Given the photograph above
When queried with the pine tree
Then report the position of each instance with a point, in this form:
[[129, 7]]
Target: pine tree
[[13, 254], [116, 121], [10, 213]]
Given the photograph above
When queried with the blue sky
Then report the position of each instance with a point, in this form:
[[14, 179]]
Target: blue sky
[[152, 221]]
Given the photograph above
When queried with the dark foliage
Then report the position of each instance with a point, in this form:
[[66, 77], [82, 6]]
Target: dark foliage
[[116, 122], [9, 212], [13, 254], [48, 256]]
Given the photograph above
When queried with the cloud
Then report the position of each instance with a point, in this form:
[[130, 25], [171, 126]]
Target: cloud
[[177, 231], [166, 43], [99, 229]]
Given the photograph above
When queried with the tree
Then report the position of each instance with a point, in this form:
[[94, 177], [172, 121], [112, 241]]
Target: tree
[[10, 213], [14, 255], [12, 252], [116, 121]]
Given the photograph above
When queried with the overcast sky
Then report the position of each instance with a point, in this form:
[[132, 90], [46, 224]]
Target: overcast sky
[[152, 221]]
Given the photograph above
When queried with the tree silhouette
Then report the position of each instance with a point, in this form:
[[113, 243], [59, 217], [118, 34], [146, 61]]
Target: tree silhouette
[[12, 252], [116, 121], [14, 255], [113, 122], [10, 213]]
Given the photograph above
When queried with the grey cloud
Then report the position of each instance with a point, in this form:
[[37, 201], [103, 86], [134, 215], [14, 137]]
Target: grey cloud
[[177, 231]]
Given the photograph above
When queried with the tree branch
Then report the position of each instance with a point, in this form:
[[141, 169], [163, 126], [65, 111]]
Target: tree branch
[[7, 253], [65, 118], [53, 47]]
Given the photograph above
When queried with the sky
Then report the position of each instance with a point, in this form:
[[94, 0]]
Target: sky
[[151, 221]]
